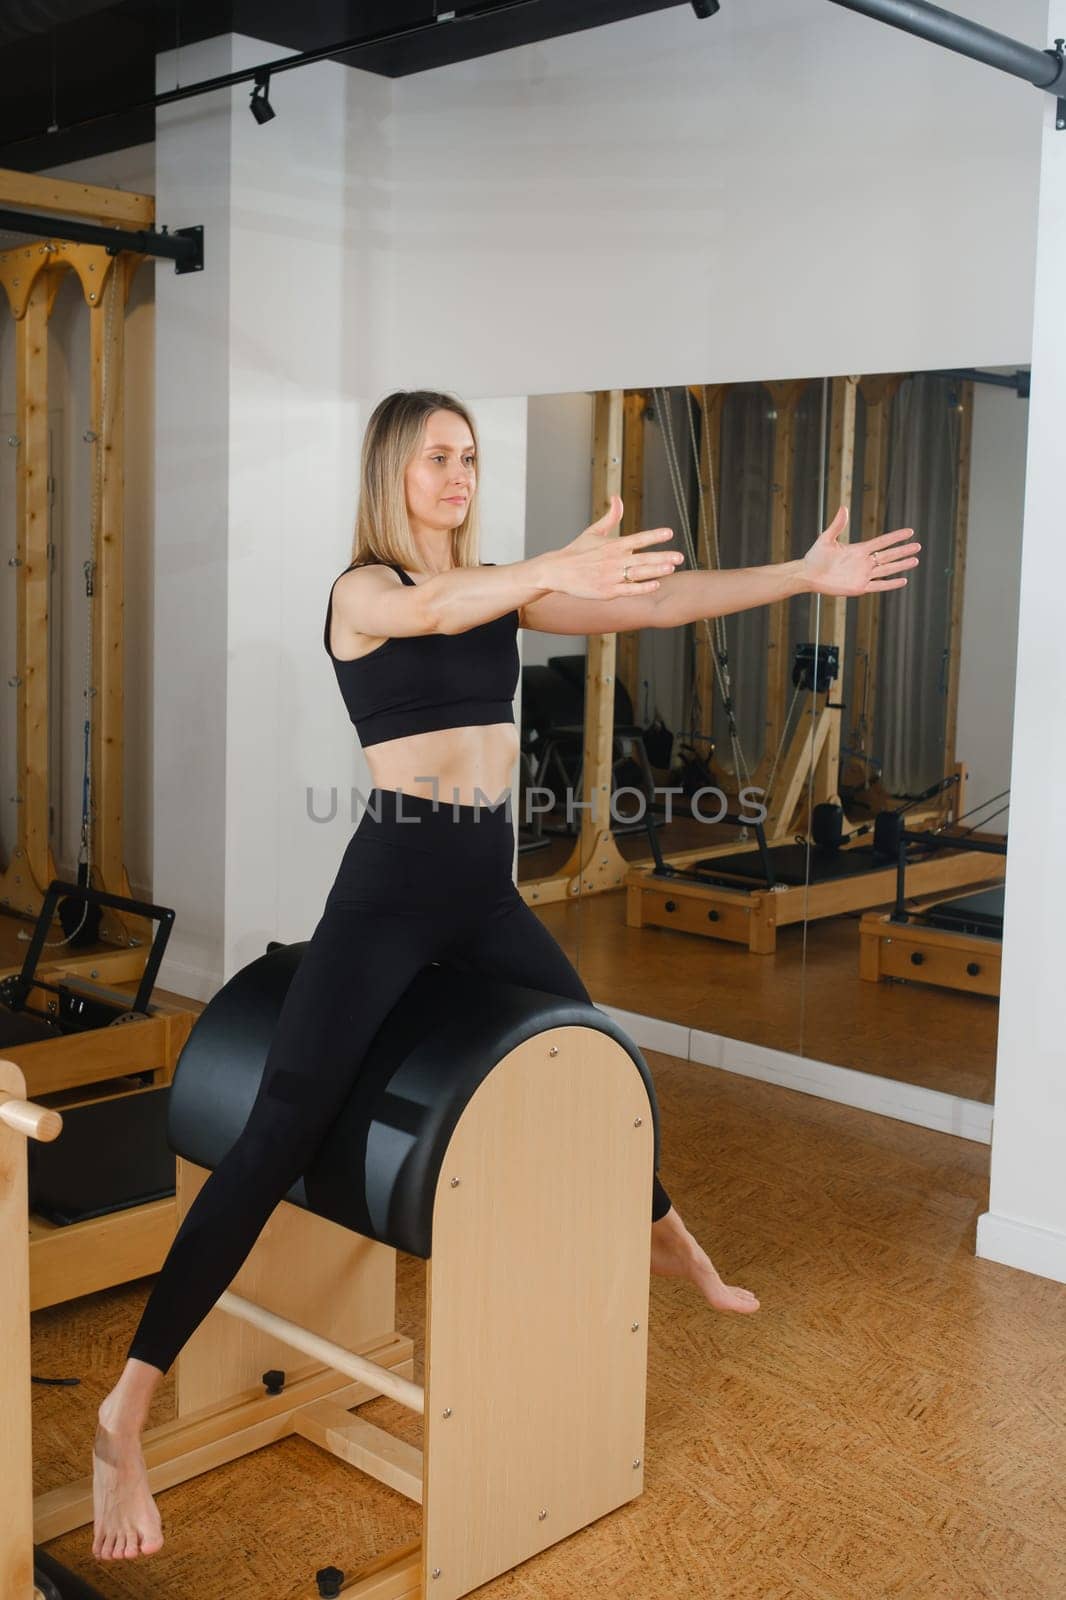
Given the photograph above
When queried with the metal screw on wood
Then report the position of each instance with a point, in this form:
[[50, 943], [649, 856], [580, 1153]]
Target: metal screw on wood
[[455, 1183], [554, 1051], [542, 1516], [636, 1463], [637, 1121], [436, 1572], [447, 1411], [13, 440], [633, 1326]]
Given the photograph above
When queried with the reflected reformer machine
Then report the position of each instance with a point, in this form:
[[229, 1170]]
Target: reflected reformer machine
[[950, 942]]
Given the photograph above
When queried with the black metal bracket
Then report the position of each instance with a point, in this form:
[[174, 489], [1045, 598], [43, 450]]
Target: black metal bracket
[[185, 246], [815, 667], [193, 261]]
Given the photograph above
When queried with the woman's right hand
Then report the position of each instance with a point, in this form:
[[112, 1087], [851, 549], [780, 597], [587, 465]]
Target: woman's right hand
[[590, 566]]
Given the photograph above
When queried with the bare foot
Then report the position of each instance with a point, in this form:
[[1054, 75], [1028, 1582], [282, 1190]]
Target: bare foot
[[126, 1521], [676, 1254]]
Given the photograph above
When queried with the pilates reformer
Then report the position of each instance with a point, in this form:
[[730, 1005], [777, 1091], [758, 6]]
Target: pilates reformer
[[745, 895], [105, 1057], [509, 1138], [952, 942]]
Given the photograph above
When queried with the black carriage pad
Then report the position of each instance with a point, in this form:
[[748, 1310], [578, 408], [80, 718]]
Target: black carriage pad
[[376, 1170], [980, 914]]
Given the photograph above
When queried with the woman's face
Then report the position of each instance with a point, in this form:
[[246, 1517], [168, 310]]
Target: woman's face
[[440, 481]]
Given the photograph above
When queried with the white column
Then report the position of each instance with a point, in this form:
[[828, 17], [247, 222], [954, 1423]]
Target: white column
[[192, 527], [262, 359], [1025, 1225]]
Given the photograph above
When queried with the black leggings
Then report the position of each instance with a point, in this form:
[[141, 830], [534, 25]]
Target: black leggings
[[419, 882]]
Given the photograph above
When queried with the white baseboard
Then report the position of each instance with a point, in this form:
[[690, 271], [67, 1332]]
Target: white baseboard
[[907, 1102], [181, 978], [1022, 1245]]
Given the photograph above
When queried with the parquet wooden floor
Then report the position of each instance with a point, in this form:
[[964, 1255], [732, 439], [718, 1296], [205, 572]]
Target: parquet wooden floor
[[890, 1424]]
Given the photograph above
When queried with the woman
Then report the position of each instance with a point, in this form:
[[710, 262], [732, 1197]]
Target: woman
[[423, 644]]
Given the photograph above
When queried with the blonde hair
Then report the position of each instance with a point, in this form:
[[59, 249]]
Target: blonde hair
[[393, 435]]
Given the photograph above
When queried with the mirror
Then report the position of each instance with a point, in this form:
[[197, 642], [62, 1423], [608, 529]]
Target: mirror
[[815, 889]]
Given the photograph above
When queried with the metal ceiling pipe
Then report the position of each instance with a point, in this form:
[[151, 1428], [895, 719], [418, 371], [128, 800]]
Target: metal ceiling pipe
[[185, 246], [1044, 68]]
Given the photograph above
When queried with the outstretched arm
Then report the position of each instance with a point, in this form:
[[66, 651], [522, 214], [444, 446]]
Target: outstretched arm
[[828, 568]]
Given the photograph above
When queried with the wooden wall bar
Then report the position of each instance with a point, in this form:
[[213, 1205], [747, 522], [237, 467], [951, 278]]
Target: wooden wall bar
[[107, 424], [635, 403], [958, 581], [711, 398], [834, 607], [785, 398], [32, 863]]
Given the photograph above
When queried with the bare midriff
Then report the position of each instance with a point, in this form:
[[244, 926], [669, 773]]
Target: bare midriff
[[450, 764], [460, 760]]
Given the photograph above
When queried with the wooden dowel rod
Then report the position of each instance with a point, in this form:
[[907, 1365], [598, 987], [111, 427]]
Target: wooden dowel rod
[[332, 1355], [25, 1116]]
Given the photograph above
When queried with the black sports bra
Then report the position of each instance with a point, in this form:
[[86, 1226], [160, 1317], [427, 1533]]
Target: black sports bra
[[420, 683]]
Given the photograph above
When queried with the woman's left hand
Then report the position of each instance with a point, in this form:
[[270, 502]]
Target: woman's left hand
[[864, 568]]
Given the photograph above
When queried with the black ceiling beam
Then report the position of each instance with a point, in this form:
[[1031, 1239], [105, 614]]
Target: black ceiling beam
[[290, 63], [329, 52], [185, 246], [1044, 68]]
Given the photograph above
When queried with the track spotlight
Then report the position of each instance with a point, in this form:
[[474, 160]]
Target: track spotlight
[[705, 8], [261, 108]]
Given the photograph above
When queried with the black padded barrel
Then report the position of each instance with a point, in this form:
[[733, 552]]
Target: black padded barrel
[[376, 1170]]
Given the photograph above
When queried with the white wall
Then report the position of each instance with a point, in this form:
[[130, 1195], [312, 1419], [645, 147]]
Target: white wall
[[1025, 1224], [259, 423], [785, 189]]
